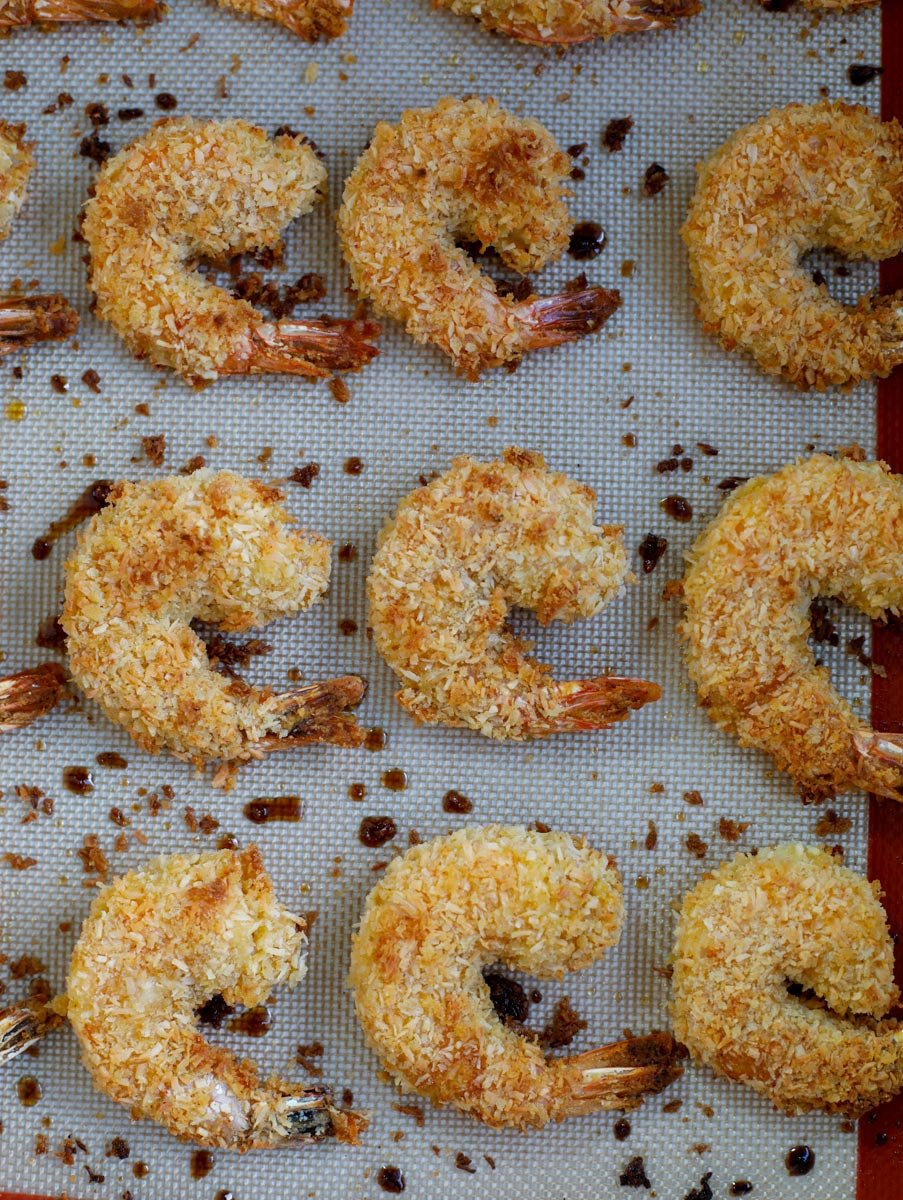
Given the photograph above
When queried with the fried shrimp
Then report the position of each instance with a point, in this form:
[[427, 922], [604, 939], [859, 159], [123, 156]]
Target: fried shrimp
[[189, 190], [819, 527], [790, 915], [24, 320], [458, 553], [564, 22], [51, 12], [806, 176], [157, 945], [212, 547], [465, 170], [544, 903], [309, 19]]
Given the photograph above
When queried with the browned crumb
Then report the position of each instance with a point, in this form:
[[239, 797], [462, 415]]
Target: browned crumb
[[94, 860], [696, 845], [651, 836], [654, 179], [412, 1110], [154, 447], [615, 134], [694, 798], [831, 825], [562, 1027], [730, 830], [18, 862]]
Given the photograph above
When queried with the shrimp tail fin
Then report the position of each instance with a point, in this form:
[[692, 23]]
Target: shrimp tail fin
[[29, 694], [28, 12], [25, 320], [316, 713], [302, 1117], [567, 316], [316, 348], [587, 704], [620, 1075], [22, 1027], [653, 14], [881, 762]]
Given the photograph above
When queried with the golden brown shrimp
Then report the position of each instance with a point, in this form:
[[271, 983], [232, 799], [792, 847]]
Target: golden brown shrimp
[[213, 547], [156, 946], [309, 19], [790, 915], [819, 527], [564, 22], [24, 320], [464, 170], [544, 903], [808, 175], [207, 189], [51, 12], [459, 551]]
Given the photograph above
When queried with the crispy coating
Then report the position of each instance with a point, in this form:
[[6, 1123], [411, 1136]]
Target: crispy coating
[[819, 527], [309, 19], [464, 171], [791, 914], [51, 12], [157, 945], [213, 547], [16, 164], [460, 551], [544, 903], [827, 174], [189, 190], [563, 22]]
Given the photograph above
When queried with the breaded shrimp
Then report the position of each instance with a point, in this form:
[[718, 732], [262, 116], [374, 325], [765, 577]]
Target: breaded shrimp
[[563, 22], [156, 946], [29, 694], [458, 553], [52, 12], [544, 903], [24, 320], [465, 170], [211, 547], [790, 915], [819, 527], [207, 189], [805, 176], [309, 19]]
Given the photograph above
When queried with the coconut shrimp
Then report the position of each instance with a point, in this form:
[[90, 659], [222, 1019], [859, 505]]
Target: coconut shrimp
[[213, 547], [819, 527], [24, 320], [544, 903], [157, 945], [564, 22], [51, 12], [806, 176], [309, 19], [207, 189], [459, 551], [468, 171], [790, 915]]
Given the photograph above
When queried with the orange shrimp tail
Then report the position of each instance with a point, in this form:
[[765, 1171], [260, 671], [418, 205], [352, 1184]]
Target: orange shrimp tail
[[36, 12], [881, 766], [620, 1075], [654, 14], [640, 16], [319, 19], [29, 694], [598, 703], [315, 348], [25, 320], [317, 713], [568, 316]]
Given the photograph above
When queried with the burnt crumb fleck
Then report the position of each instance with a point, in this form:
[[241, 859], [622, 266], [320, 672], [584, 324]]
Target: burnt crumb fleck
[[118, 1148], [832, 825], [305, 475], [18, 862], [456, 802], [93, 1176], [231, 657], [97, 114], [621, 1129], [672, 1106], [304, 1056], [823, 629], [197, 463], [576, 150], [93, 859], [706, 449], [376, 831], [464, 1163], [390, 1179], [587, 240], [95, 148], [654, 179], [667, 465], [154, 447], [339, 390], [678, 507], [651, 837], [651, 549], [740, 1187], [696, 845], [508, 997], [91, 380], [634, 1174], [615, 134], [14, 80], [731, 482], [130, 114], [703, 1192], [414, 1111], [165, 101], [562, 1027], [214, 1012], [731, 831], [860, 74]]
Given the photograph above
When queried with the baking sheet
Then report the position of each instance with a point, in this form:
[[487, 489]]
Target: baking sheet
[[408, 415]]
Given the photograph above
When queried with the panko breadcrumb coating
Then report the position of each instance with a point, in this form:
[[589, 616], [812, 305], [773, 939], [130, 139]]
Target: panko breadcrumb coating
[[16, 164], [544, 903], [156, 946], [563, 22], [791, 914], [52, 12], [819, 527], [192, 190], [213, 547], [460, 551], [464, 171], [309, 19], [808, 175]]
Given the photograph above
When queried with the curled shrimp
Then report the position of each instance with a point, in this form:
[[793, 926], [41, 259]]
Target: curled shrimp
[[819, 527], [51, 12], [805, 176], [213, 547], [465, 170], [790, 915], [24, 320], [544, 903], [207, 189], [564, 22], [157, 945], [459, 551], [309, 19]]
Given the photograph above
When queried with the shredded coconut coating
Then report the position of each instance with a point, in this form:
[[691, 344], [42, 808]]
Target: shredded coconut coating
[[819, 527], [16, 164], [187, 190], [791, 914], [460, 551], [562, 22], [209, 546], [828, 174], [309, 19], [544, 903], [468, 171]]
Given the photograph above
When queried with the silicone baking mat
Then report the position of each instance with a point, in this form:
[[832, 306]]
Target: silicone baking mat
[[606, 411]]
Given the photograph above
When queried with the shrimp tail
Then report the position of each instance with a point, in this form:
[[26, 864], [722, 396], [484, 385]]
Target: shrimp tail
[[881, 756], [652, 14], [35, 12], [303, 1117], [587, 704], [22, 1027], [316, 713], [25, 320], [315, 348], [620, 1075], [568, 315], [29, 694]]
